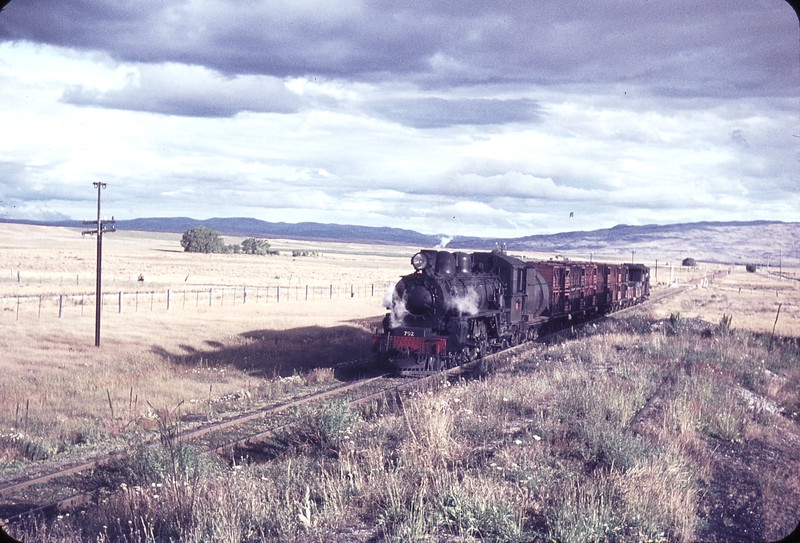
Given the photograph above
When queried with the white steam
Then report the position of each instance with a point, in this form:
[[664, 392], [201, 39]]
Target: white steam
[[396, 306], [443, 243], [468, 303]]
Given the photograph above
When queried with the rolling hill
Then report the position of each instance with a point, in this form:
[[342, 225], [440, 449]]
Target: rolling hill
[[760, 242]]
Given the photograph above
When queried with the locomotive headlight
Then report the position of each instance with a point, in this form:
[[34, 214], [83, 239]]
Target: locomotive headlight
[[419, 261]]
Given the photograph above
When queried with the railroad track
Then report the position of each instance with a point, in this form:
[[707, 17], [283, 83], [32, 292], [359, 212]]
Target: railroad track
[[64, 487], [27, 496]]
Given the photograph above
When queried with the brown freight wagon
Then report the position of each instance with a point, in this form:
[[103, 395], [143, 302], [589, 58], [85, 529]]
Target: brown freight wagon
[[573, 286]]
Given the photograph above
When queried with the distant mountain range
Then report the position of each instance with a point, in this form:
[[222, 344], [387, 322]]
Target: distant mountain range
[[238, 226], [753, 241]]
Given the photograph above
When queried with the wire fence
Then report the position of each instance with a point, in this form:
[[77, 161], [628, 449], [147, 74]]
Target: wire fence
[[72, 305]]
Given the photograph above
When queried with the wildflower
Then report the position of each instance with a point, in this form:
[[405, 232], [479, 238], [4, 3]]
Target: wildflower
[[537, 438], [505, 399], [518, 441]]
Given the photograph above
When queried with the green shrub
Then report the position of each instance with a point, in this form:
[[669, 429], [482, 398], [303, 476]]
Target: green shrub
[[256, 246], [174, 461], [676, 323], [689, 262], [751, 268], [202, 240]]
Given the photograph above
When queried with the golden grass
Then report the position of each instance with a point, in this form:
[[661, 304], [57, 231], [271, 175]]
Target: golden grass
[[752, 299], [192, 353], [543, 450]]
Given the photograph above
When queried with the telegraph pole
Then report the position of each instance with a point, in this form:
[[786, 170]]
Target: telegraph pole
[[102, 226]]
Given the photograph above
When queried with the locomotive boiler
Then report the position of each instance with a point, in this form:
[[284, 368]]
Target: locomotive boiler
[[459, 306]]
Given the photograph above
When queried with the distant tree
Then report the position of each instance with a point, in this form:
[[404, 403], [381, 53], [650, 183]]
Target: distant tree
[[202, 240], [751, 268], [689, 262], [255, 246]]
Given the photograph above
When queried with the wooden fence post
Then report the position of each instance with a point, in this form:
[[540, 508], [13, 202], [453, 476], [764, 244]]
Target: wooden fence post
[[169, 298], [61, 306], [120, 302], [210, 296], [306, 292], [278, 293]]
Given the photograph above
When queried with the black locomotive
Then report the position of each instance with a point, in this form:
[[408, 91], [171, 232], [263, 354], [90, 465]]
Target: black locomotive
[[456, 307]]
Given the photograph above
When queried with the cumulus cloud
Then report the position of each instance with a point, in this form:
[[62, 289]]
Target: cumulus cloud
[[431, 112], [675, 46], [446, 117], [192, 91]]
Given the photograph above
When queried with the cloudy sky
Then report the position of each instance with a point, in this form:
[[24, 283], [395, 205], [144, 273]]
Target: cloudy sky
[[495, 118]]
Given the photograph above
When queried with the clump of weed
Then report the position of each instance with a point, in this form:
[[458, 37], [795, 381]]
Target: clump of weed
[[157, 464], [19, 447], [321, 429], [676, 323], [725, 324], [319, 375]]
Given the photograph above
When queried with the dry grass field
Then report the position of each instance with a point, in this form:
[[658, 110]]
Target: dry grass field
[[56, 381], [554, 445]]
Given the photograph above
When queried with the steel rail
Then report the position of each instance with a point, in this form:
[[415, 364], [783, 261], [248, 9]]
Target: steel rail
[[9, 489]]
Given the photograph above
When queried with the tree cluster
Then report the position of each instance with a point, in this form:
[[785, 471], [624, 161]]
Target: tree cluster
[[689, 262], [206, 240]]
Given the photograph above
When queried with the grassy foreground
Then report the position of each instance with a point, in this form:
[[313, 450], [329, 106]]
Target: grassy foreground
[[555, 445]]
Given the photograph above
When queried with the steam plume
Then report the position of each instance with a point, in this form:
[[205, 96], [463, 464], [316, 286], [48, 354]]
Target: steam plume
[[396, 306], [467, 304]]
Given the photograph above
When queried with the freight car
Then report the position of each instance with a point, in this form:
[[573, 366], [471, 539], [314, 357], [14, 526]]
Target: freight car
[[456, 307]]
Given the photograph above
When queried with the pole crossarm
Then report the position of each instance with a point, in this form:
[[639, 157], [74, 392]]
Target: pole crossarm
[[105, 226]]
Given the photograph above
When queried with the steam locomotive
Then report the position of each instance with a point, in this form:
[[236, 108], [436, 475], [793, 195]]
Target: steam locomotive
[[457, 307]]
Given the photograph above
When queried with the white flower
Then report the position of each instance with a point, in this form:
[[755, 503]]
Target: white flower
[[537, 438], [518, 441]]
